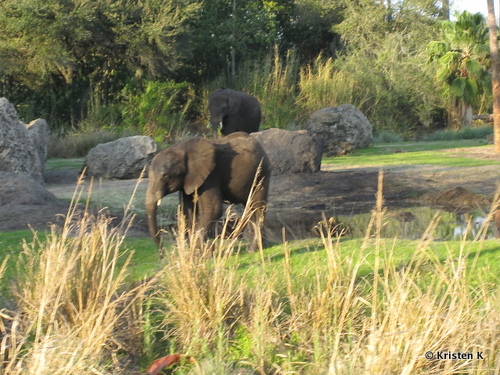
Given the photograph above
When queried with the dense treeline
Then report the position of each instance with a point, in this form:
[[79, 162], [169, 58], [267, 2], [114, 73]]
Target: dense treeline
[[149, 65]]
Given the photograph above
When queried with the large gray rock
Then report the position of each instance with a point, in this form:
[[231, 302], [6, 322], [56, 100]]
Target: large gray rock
[[341, 129], [20, 189], [18, 153], [25, 202], [290, 151], [39, 134], [123, 159]]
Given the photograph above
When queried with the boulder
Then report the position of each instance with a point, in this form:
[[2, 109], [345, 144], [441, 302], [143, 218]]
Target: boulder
[[39, 134], [341, 129], [290, 151], [122, 159], [20, 189], [24, 201], [18, 154]]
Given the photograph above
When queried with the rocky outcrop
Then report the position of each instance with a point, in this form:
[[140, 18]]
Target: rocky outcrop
[[26, 203], [124, 158], [22, 190], [341, 129], [39, 134], [22, 151], [290, 151]]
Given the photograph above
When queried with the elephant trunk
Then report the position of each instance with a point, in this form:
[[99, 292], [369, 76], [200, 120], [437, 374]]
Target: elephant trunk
[[217, 123], [151, 205]]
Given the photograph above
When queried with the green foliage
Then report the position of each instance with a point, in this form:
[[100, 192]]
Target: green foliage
[[159, 110], [73, 63], [466, 132], [78, 144], [462, 65], [61, 49], [231, 30], [387, 137], [381, 71], [274, 80]]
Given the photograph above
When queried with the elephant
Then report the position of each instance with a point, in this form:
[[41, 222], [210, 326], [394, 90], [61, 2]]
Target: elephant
[[206, 173], [233, 111]]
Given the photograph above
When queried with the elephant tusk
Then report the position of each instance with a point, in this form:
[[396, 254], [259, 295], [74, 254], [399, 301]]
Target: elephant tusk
[[220, 125], [158, 202]]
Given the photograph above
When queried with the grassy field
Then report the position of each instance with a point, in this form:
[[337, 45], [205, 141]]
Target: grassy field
[[430, 153], [90, 299]]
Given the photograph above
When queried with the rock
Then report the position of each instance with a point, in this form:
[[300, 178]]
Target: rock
[[18, 154], [458, 200], [25, 201], [122, 159], [341, 129], [290, 151], [39, 134], [22, 190]]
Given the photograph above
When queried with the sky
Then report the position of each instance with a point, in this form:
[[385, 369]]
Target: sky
[[473, 6]]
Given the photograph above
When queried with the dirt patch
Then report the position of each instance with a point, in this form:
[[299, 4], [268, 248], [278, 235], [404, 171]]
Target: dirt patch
[[483, 153], [297, 201]]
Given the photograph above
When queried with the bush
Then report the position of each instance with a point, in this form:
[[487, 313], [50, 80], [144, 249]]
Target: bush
[[160, 110], [78, 144], [464, 133], [387, 137], [72, 307]]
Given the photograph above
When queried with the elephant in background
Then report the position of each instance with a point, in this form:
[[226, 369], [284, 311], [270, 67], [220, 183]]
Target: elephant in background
[[233, 111], [207, 173]]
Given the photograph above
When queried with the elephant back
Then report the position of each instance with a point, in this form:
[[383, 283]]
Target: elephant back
[[239, 157]]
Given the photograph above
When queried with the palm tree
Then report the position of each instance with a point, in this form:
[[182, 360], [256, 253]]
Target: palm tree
[[462, 64], [495, 73]]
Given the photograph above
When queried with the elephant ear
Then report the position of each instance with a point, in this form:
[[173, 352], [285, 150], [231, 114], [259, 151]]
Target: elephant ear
[[233, 102], [200, 163]]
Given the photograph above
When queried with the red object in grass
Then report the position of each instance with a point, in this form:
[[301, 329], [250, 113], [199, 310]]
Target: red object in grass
[[159, 364]]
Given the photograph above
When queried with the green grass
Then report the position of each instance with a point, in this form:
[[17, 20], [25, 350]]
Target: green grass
[[428, 153], [385, 148], [309, 254], [58, 164], [306, 254], [144, 262]]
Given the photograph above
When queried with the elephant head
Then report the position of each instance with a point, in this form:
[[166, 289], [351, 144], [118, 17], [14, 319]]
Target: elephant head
[[221, 104], [184, 166]]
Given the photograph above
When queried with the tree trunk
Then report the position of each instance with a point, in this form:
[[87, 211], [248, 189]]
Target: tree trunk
[[495, 78], [233, 50], [461, 114], [446, 10]]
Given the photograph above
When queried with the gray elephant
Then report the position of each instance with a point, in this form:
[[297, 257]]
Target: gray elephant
[[210, 172], [233, 111]]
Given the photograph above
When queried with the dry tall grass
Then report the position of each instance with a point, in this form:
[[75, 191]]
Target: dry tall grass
[[268, 320], [74, 308]]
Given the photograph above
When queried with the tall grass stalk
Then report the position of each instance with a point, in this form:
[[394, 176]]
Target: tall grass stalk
[[199, 292], [331, 318], [74, 305]]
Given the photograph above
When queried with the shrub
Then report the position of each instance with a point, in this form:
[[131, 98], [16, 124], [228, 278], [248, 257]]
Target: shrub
[[160, 110], [78, 144], [467, 132], [74, 307], [387, 137]]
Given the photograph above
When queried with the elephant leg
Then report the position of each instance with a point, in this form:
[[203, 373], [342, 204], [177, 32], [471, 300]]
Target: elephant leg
[[209, 211], [254, 230], [202, 213]]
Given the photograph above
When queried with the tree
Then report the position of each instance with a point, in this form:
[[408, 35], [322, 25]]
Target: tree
[[462, 64], [64, 49], [229, 32], [495, 73]]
